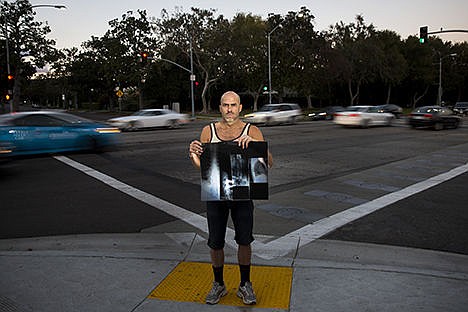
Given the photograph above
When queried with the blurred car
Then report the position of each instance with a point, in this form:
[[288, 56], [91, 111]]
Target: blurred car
[[42, 132], [150, 118], [391, 108], [363, 116], [436, 117], [461, 108], [327, 113], [271, 114]]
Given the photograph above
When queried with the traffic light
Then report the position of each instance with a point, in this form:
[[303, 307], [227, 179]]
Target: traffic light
[[144, 58], [265, 88], [9, 86], [423, 34]]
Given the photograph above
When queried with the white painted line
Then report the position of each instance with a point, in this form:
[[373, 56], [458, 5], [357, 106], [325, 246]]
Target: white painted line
[[187, 216], [311, 232], [289, 242]]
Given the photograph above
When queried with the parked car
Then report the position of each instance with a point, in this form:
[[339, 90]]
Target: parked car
[[436, 117], [150, 118], [327, 113], [271, 114], [42, 132], [391, 108], [461, 108], [363, 116]]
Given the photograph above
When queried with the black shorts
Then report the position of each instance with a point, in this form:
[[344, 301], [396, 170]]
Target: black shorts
[[242, 218]]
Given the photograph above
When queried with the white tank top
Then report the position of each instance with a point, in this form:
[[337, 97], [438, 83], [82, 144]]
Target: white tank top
[[215, 138]]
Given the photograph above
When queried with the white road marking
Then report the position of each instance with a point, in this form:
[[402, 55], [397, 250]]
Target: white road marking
[[311, 232], [289, 242]]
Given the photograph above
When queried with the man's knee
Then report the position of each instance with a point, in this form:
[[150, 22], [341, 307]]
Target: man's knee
[[216, 245]]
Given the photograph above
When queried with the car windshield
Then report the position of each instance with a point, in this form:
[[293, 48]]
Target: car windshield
[[268, 108], [71, 118], [142, 113], [357, 109], [461, 105]]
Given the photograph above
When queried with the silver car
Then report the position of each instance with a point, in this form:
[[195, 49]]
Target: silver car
[[150, 118], [271, 114]]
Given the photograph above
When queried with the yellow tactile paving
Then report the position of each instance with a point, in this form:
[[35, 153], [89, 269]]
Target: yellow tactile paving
[[191, 281]]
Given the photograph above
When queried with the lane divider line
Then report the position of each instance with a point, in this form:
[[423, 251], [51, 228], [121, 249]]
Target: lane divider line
[[187, 216], [284, 244], [311, 232]]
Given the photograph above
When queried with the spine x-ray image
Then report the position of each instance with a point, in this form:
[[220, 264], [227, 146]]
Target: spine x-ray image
[[229, 172]]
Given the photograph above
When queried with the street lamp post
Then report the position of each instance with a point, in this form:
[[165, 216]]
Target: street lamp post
[[269, 61], [439, 93], [55, 6], [192, 79], [300, 15]]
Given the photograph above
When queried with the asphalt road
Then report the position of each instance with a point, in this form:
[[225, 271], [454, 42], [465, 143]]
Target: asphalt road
[[43, 196]]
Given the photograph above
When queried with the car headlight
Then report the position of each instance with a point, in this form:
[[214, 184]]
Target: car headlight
[[249, 115], [107, 130]]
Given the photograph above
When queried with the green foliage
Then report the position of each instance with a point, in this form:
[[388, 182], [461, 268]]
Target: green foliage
[[347, 64], [27, 42]]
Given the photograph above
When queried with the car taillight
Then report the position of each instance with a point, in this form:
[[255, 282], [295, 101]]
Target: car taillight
[[427, 115], [353, 115]]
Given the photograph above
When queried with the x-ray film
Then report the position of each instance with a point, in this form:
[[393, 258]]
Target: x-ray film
[[229, 172]]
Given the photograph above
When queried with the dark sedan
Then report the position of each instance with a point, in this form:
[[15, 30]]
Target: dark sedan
[[43, 132], [391, 108], [436, 117], [327, 113]]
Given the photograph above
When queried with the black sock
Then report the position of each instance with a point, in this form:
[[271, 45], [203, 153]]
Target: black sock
[[218, 274], [245, 273]]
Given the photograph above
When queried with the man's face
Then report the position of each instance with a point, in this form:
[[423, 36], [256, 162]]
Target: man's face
[[230, 109]]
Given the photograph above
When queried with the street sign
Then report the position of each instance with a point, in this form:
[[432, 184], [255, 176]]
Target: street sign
[[192, 77], [119, 93]]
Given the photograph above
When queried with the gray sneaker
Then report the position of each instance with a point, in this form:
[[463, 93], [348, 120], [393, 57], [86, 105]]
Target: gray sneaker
[[247, 294], [215, 294]]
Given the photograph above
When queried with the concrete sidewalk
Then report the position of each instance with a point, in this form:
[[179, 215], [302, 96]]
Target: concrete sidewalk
[[106, 272]]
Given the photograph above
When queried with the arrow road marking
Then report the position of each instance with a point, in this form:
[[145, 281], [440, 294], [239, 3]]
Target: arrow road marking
[[284, 244]]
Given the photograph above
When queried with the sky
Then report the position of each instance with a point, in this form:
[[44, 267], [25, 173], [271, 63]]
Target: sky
[[85, 18]]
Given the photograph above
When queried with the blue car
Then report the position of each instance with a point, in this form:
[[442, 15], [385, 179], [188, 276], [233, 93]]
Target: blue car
[[47, 132]]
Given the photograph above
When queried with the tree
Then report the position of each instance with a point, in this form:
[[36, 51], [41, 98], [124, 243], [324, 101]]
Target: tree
[[460, 77], [111, 61], [124, 42], [206, 35], [356, 54], [302, 58], [421, 73], [247, 55], [393, 67], [28, 46]]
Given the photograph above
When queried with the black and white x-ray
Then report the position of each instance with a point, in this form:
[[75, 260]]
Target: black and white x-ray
[[229, 172]]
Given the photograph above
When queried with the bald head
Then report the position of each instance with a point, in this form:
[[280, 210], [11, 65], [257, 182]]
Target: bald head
[[231, 95]]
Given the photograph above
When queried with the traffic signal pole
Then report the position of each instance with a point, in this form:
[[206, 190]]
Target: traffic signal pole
[[7, 50], [192, 76], [423, 32]]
